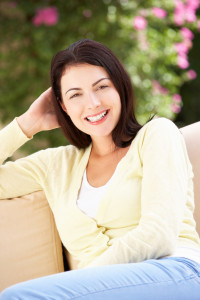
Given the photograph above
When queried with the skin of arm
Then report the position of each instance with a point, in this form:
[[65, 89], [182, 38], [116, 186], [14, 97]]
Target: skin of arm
[[40, 116], [31, 169]]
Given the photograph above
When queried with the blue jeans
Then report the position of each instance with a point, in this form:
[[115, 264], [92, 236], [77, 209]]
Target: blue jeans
[[172, 278]]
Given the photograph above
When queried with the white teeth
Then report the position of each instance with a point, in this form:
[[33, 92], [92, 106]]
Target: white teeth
[[97, 118]]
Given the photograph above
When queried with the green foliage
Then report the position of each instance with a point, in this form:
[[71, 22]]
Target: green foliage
[[149, 54]]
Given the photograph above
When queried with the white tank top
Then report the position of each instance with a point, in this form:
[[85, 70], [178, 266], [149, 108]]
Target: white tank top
[[90, 197]]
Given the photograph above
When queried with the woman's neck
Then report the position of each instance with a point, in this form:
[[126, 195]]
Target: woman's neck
[[103, 146]]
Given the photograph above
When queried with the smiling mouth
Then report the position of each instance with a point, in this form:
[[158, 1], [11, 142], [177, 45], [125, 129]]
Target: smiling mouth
[[97, 117]]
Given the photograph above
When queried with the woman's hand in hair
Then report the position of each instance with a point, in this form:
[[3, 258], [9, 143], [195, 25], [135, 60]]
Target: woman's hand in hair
[[40, 116]]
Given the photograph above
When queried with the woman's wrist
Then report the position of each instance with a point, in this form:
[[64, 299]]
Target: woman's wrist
[[27, 125]]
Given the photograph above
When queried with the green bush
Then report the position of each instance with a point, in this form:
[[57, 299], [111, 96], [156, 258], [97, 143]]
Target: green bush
[[152, 42]]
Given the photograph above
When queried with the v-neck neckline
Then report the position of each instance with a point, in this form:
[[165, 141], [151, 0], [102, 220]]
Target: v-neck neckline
[[79, 178]]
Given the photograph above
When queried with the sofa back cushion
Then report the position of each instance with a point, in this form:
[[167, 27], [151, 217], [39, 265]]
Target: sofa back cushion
[[29, 243], [191, 135]]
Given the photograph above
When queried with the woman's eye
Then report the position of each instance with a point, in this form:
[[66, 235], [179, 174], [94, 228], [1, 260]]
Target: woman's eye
[[101, 87], [74, 96]]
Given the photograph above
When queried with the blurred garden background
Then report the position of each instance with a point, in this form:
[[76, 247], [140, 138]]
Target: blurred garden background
[[158, 41]]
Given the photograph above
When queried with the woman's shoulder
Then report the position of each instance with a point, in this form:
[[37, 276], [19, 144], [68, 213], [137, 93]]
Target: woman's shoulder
[[158, 132], [159, 126], [160, 123], [67, 152], [57, 158]]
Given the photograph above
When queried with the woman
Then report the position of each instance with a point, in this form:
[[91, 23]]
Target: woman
[[121, 194]]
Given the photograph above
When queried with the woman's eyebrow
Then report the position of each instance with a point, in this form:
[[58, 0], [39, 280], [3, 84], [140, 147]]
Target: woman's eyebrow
[[76, 89], [95, 83], [99, 80]]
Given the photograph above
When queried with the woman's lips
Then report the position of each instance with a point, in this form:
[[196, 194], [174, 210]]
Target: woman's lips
[[97, 118]]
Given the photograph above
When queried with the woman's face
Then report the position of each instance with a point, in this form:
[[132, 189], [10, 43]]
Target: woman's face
[[90, 99]]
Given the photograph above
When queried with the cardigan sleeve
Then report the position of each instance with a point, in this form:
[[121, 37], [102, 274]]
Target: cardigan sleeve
[[25, 175], [166, 172]]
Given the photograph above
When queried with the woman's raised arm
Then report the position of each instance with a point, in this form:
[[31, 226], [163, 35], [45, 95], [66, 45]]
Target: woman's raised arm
[[40, 116], [27, 174]]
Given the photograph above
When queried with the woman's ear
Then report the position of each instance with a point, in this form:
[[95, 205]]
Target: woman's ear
[[63, 107]]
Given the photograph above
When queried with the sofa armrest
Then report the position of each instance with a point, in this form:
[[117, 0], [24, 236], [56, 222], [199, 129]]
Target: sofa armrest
[[191, 135], [29, 243]]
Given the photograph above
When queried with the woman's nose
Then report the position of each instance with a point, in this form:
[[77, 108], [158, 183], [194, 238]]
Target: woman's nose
[[93, 101]]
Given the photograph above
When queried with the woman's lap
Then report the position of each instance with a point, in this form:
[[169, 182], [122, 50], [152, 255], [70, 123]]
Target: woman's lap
[[169, 278]]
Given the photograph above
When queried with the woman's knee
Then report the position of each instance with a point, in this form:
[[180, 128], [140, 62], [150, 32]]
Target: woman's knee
[[11, 293]]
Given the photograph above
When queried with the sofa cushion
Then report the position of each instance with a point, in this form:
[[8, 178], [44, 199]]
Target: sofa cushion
[[191, 135], [29, 243]]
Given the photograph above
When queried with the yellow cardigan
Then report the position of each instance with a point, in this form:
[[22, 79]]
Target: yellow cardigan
[[147, 211]]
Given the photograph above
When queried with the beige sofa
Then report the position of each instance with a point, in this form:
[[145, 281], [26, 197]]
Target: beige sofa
[[29, 243]]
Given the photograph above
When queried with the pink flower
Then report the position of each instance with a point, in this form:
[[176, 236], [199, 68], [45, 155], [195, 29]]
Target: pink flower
[[183, 61], [191, 74], [158, 88], [159, 12], [188, 43], [181, 48], [139, 23], [164, 91], [193, 4], [190, 14], [47, 16], [185, 12], [178, 19], [187, 33], [179, 13], [37, 19], [175, 108], [176, 101], [176, 98]]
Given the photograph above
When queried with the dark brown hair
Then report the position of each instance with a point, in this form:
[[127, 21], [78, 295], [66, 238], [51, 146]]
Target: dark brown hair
[[95, 53]]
